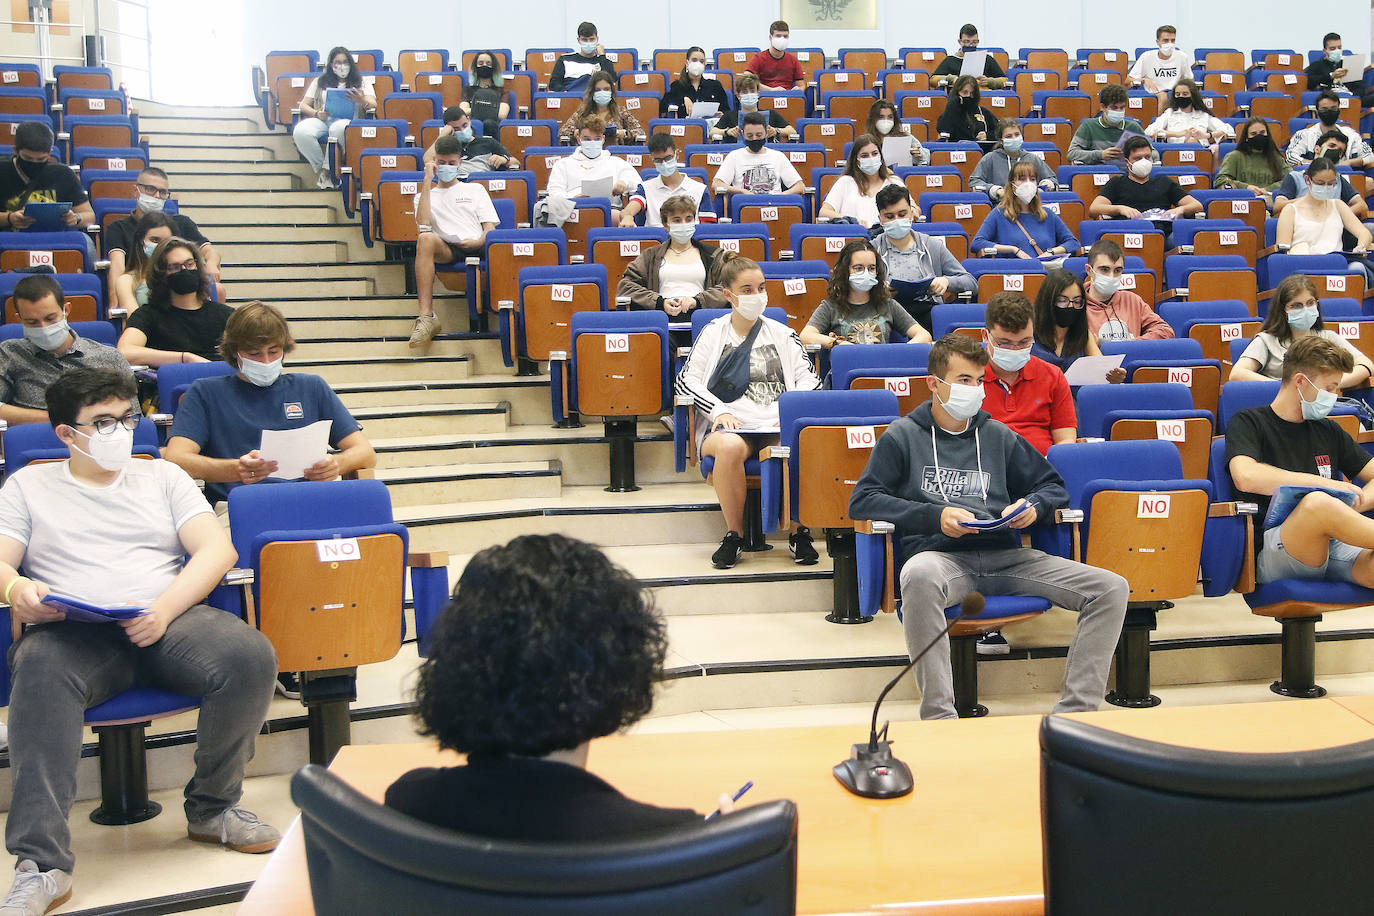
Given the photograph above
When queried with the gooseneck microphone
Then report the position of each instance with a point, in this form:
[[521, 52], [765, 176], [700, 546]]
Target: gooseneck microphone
[[871, 771]]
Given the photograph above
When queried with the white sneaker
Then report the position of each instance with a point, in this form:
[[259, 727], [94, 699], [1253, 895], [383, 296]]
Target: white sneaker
[[324, 181], [35, 892], [4, 737]]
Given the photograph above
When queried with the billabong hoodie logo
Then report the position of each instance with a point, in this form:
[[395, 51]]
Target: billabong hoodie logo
[[953, 483]]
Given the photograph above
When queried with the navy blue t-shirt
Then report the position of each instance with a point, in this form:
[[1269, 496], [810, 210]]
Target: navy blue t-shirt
[[225, 415]]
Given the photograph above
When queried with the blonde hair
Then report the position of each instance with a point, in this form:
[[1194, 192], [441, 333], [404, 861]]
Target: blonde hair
[[732, 264], [252, 326]]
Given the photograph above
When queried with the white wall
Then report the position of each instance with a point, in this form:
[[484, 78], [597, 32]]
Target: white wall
[[1246, 24]]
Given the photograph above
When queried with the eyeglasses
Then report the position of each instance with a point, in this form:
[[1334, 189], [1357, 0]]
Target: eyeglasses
[[665, 160], [151, 191], [1062, 302], [178, 268], [1310, 303], [106, 425]]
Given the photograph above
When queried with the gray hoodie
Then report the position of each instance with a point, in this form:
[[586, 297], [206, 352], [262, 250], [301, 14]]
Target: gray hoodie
[[917, 469]]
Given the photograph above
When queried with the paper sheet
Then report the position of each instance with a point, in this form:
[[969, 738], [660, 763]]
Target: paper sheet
[[997, 524], [294, 450], [598, 187], [897, 151], [1092, 370], [705, 109], [337, 104], [975, 62]]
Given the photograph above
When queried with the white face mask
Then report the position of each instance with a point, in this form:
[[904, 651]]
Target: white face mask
[[748, 100], [696, 67], [884, 126], [591, 148], [260, 374], [682, 232], [863, 280], [150, 204], [341, 70], [779, 42], [964, 400], [751, 305], [1105, 286], [1141, 167], [870, 165], [588, 48], [112, 452], [50, 337], [1024, 191], [1334, 55], [1166, 48]]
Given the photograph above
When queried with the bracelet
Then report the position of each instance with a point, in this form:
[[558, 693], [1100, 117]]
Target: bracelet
[[183, 356], [13, 582]]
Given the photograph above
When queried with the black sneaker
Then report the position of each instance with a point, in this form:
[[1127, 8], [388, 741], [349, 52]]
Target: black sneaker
[[727, 554], [289, 685], [803, 553], [993, 643]]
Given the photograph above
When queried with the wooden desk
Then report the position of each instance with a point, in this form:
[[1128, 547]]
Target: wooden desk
[[967, 840]]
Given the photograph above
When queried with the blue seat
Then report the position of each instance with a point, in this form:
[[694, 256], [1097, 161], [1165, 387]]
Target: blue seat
[[874, 360], [1183, 314], [1275, 267], [173, 381], [532, 338], [945, 317], [719, 232], [837, 235], [71, 240], [1096, 402], [1203, 377], [73, 286], [82, 153]]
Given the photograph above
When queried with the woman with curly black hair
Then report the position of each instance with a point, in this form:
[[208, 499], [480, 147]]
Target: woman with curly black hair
[[544, 646]]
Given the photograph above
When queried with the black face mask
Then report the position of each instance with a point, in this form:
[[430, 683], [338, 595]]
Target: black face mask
[[483, 71], [754, 145], [1328, 116], [970, 103], [1065, 316], [1258, 144], [184, 281], [1334, 155], [1183, 101]]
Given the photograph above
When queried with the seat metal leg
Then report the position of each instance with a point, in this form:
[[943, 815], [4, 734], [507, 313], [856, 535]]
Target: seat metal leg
[[1133, 658], [620, 436], [1298, 672], [963, 652], [524, 366], [754, 540], [839, 543], [326, 696], [123, 777]]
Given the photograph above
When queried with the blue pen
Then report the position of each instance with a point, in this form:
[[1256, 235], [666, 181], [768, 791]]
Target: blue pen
[[734, 798]]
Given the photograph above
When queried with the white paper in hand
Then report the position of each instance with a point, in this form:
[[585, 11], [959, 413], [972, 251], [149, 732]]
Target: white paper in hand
[[705, 110], [598, 187], [1092, 370], [974, 63], [897, 151], [294, 450]]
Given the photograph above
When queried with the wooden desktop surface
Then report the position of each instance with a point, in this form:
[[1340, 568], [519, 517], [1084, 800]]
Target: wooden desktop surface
[[966, 840]]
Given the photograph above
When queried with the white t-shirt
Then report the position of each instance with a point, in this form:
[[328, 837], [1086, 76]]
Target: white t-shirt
[[106, 545], [848, 200], [1164, 73], [458, 212], [678, 280], [314, 94], [1173, 119], [766, 172], [652, 193], [568, 173]]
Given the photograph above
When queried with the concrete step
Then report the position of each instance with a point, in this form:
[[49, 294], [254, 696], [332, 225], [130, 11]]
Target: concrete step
[[251, 200], [163, 110], [304, 288], [161, 139], [282, 254], [434, 419], [324, 324], [528, 397], [275, 179], [230, 166], [472, 482], [344, 348], [258, 268], [451, 309], [338, 371], [229, 156], [201, 127], [241, 222]]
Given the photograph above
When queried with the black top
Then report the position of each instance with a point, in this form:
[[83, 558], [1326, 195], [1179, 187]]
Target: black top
[[484, 146], [50, 182], [195, 331], [959, 126], [485, 104], [731, 119], [1158, 192], [952, 64], [1319, 74], [558, 76], [523, 798], [710, 90], [1309, 447], [120, 235]]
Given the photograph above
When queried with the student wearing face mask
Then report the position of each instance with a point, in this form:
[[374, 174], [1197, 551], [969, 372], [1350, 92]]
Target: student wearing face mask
[[571, 72], [48, 348], [1303, 143], [453, 218], [316, 119], [775, 66], [484, 98], [1114, 313], [30, 176], [1061, 324], [1160, 70], [920, 269], [679, 275], [1292, 441], [1188, 119], [1138, 192], [154, 190], [854, 193], [992, 171], [858, 308], [1330, 71], [756, 168], [591, 162], [601, 100], [1331, 146], [949, 69], [730, 125], [1295, 313], [949, 462], [964, 117], [1096, 139], [691, 86], [670, 181], [883, 123], [131, 286], [479, 154], [1313, 224], [1021, 390], [1020, 226], [219, 423], [180, 323], [739, 366], [1255, 164]]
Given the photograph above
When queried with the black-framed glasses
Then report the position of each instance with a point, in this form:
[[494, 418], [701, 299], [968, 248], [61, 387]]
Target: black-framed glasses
[[106, 425], [1063, 302], [184, 265], [151, 191]]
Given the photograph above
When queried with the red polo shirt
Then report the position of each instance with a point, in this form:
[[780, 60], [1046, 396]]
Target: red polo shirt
[[1037, 402], [775, 72]]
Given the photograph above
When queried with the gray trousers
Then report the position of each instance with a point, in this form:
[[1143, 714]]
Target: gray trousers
[[61, 669], [932, 581]]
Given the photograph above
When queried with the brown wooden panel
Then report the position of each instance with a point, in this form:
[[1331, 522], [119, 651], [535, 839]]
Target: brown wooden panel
[[504, 263], [752, 248], [63, 262], [1203, 381], [827, 470], [516, 137], [107, 135], [1159, 557], [1359, 333], [396, 212], [449, 85], [580, 222], [1148, 246], [779, 227], [799, 306], [1227, 241], [1194, 450], [915, 393], [547, 323], [616, 255], [1209, 285], [322, 615], [1216, 340], [116, 188], [626, 383], [990, 285]]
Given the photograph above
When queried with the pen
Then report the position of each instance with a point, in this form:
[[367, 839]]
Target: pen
[[734, 798]]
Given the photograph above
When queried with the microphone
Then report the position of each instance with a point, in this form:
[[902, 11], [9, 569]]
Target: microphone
[[871, 771]]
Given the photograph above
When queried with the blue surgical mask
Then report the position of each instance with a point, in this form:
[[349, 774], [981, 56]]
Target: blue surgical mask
[[1302, 319], [1114, 116], [863, 281], [682, 232], [1318, 407], [147, 203], [591, 148], [602, 96], [260, 374], [1012, 144], [898, 228], [149, 246], [50, 337], [870, 165], [446, 173], [964, 400], [1334, 55], [748, 100], [588, 48], [666, 169], [1324, 191], [1010, 360], [464, 134]]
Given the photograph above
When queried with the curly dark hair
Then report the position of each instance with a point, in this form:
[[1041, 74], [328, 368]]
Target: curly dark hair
[[545, 645], [837, 291], [159, 294]]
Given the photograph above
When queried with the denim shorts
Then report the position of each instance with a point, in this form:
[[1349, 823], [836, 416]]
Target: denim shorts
[[1275, 562]]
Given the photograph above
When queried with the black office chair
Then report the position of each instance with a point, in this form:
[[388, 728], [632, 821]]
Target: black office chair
[[1136, 828], [364, 857]]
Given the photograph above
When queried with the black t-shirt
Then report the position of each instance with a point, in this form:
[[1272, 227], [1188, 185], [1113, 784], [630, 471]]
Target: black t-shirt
[[952, 64], [710, 90], [485, 104], [961, 126], [1318, 447], [1158, 192], [521, 798], [51, 182], [731, 119], [196, 331], [484, 146], [120, 235]]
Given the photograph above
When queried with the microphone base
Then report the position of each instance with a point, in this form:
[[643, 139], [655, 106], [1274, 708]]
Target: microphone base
[[874, 773]]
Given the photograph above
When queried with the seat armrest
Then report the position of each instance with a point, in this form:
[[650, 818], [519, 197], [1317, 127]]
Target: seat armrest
[[1068, 516], [774, 483], [1231, 509], [237, 576], [1074, 518], [868, 526], [558, 384], [427, 559], [684, 432], [161, 419]]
